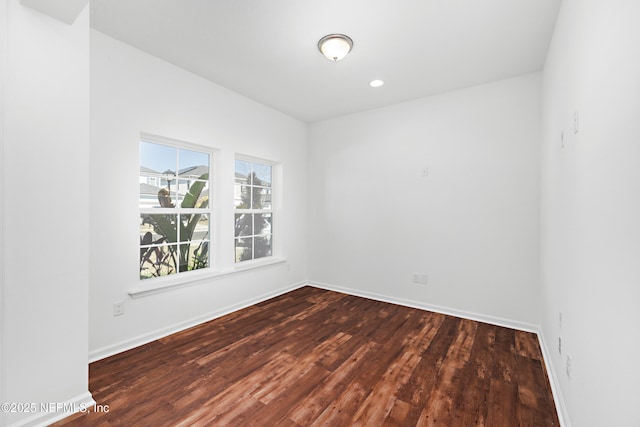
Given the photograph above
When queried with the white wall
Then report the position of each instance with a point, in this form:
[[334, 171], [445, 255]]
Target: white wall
[[133, 92], [591, 210], [3, 64], [45, 233], [471, 225]]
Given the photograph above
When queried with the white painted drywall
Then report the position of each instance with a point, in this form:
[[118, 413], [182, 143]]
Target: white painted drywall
[[590, 223], [45, 208], [133, 92], [3, 63], [66, 11], [471, 225]]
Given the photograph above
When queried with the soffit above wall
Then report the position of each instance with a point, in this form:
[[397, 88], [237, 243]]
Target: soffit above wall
[[63, 10]]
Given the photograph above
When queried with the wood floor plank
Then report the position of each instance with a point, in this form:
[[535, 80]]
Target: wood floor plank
[[317, 401], [476, 376], [502, 404], [421, 339], [527, 345], [533, 401], [339, 413], [381, 400], [504, 362], [424, 382], [398, 415], [314, 357]]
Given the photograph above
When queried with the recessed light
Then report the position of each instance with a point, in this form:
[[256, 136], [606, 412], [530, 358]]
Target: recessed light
[[376, 83]]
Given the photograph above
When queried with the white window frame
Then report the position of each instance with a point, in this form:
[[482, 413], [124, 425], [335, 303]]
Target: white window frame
[[272, 210], [222, 237], [180, 276]]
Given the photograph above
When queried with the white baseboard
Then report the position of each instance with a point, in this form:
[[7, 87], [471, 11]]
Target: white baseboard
[[513, 324], [104, 352], [558, 399], [58, 412]]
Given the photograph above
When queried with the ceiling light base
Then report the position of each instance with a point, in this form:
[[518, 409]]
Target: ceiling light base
[[335, 46]]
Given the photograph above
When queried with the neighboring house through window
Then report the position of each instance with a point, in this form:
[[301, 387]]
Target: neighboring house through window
[[175, 208]]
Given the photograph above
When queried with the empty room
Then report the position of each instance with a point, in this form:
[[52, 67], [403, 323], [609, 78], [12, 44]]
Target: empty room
[[292, 213]]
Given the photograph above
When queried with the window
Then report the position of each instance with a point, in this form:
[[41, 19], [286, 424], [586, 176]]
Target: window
[[175, 211], [253, 210]]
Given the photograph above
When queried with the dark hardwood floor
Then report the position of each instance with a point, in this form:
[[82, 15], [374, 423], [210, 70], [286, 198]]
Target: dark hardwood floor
[[319, 358]]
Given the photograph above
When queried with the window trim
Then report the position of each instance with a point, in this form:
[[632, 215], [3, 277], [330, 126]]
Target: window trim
[[211, 210], [274, 211], [189, 278], [221, 263]]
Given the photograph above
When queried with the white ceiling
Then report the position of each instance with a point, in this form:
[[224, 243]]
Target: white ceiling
[[267, 50]]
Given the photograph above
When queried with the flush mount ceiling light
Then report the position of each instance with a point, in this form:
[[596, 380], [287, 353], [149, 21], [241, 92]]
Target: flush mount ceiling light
[[335, 46], [376, 83]]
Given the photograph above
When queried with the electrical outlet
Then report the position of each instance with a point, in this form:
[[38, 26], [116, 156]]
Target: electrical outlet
[[425, 172], [576, 122], [118, 308], [569, 360]]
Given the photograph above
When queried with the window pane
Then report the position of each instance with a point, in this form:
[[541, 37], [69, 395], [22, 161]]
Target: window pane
[[262, 246], [193, 194], [262, 224], [243, 199], [156, 261], [252, 191], [149, 192], [244, 249], [157, 158], [176, 180], [244, 225], [193, 255], [197, 254], [148, 236], [261, 198], [166, 196], [192, 163], [162, 227], [237, 195], [243, 170], [194, 227], [157, 192], [262, 175]]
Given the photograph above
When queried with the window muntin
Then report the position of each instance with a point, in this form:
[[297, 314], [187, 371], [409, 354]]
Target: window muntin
[[175, 211], [253, 237]]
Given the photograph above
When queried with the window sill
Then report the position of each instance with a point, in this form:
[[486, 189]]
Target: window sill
[[164, 284]]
